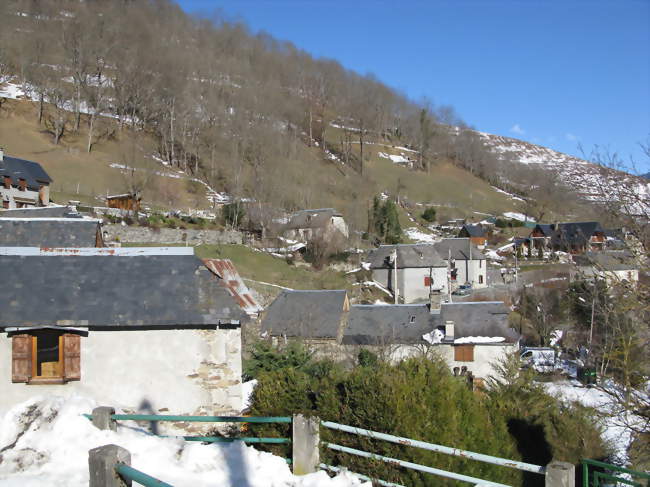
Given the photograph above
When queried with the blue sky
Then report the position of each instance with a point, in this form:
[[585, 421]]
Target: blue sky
[[557, 73]]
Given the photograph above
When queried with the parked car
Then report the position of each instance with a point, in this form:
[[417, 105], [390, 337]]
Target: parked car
[[463, 290], [541, 359]]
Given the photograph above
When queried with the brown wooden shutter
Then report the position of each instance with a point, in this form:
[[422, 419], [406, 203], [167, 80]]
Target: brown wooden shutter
[[71, 357], [464, 353], [21, 358]]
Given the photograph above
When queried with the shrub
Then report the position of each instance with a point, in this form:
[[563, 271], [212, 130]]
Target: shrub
[[233, 214], [429, 214]]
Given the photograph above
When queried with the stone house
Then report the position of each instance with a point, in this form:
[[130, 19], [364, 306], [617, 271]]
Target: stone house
[[419, 272], [23, 183], [306, 225], [469, 336], [144, 329]]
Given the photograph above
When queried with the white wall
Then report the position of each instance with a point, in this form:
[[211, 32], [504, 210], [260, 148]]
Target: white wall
[[485, 357], [21, 195], [411, 281], [178, 371]]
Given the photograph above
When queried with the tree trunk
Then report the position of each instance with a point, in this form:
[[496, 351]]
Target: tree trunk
[[90, 131]]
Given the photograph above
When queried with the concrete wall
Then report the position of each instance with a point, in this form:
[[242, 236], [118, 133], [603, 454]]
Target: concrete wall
[[13, 193], [148, 371], [134, 234]]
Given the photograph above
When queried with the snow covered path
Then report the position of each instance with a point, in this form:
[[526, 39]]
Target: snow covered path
[[45, 442]]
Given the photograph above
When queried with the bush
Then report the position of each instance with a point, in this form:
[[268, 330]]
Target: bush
[[429, 215], [420, 399]]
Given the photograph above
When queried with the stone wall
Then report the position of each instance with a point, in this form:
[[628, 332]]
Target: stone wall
[[136, 234]]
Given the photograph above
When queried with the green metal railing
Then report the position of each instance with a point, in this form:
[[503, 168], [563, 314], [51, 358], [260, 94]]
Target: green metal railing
[[210, 419], [130, 473], [528, 467], [592, 477]]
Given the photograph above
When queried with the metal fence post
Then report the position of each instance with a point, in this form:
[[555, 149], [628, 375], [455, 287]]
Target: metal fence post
[[305, 444], [102, 418], [560, 474], [101, 465]]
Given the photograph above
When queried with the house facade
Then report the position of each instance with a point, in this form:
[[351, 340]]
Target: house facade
[[306, 225], [418, 272], [144, 329], [470, 337], [476, 234], [23, 183], [573, 237]]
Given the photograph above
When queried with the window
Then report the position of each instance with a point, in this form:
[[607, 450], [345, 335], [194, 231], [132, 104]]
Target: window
[[5, 204], [412, 319], [480, 264], [46, 357], [480, 278], [464, 353], [22, 185], [7, 181], [427, 281]]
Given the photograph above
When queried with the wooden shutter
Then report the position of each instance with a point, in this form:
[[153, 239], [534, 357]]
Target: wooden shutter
[[21, 358], [427, 281], [464, 353], [71, 357]]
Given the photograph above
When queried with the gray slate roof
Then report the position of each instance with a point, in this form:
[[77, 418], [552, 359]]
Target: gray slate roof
[[472, 231], [575, 233], [45, 232], [113, 291], [472, 319], [415, 255], [30, 171], [383, 325], [41, 212], [461, 249], [607, 261], [313, 314], [311, 218]]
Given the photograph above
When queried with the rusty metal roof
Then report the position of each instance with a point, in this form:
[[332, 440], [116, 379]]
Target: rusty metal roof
[[229, 278]]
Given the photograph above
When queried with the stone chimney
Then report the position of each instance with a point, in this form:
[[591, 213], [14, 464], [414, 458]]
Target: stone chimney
[[435, 299], [449, 330]]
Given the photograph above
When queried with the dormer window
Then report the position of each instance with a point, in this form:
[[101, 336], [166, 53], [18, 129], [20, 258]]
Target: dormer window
[[412, 319], [22, 185], [7, 182]]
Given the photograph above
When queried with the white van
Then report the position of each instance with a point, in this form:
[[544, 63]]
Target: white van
[[542, 359]]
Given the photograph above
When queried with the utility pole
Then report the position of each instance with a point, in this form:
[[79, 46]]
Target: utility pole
[[449, 275], [396, 290]]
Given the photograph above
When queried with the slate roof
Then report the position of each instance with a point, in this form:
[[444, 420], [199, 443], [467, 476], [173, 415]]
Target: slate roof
[[472, 231], [313, 314], [575, 233], [545, 229], [474, 319], [311, 218], [408, 255], [49, 232], [30, 171], [607, 261], [460, 249], [41, 212], [109, 290], [388, 324]]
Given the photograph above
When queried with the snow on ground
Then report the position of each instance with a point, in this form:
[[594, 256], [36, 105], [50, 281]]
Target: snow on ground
[[395, 159], [419, 236], [613, 421], [479, 340], [492, 255], [44, 442], [513, 215], [511, 195]]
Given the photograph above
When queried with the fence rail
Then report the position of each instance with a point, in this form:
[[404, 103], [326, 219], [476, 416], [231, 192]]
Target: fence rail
[[589, 473], [130, 473]]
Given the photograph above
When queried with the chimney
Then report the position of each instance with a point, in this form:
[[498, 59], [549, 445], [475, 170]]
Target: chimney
[[449, 330]]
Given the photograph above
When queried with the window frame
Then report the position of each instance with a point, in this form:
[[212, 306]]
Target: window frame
[[60, 361]]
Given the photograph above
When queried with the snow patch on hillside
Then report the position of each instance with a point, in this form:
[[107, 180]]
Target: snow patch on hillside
[[418, 236], [45, 442]]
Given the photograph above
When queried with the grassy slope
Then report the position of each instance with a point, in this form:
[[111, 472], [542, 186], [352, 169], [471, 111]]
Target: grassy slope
[[309, 181]]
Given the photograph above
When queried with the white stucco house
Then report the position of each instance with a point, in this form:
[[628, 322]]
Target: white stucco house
[[471, 337], [23, 183], [419, 271], [142, 329], [612, 266]]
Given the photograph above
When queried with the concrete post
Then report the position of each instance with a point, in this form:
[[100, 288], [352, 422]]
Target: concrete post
[[560, 474], [102, 418], [101, 464], [305, 443]]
